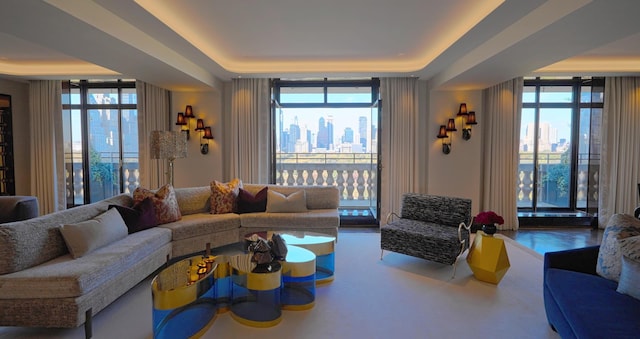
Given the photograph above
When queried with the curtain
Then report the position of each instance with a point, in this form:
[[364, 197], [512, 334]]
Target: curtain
[[154, 114], [47, 145], [250, 130], [620, 152], [502, 110], [398, 134]]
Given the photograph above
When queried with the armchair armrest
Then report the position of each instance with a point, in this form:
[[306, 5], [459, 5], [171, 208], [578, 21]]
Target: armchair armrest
[[390, 215], [579, 260]]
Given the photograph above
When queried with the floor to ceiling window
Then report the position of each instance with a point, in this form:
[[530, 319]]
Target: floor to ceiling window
[[560, 144], [100, 130], [326, 133]]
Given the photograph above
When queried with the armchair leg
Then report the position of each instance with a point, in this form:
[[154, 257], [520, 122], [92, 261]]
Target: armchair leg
[[381, 253]]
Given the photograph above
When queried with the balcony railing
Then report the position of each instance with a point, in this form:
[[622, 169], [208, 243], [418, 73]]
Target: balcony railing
[[354, 174], [554, 185], [107, 187]]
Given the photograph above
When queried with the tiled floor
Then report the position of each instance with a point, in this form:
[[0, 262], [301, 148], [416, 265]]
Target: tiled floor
[[538, 239]]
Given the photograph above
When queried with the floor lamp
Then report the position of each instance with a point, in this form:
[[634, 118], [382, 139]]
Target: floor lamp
[[168, 145]]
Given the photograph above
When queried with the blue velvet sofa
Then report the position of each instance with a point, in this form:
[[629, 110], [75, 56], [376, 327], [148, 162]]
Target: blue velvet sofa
[[581, 304]]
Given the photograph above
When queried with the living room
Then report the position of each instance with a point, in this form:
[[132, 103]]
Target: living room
[[198, 54]]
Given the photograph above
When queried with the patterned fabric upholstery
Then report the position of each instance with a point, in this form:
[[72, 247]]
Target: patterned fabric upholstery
[[428, 228]]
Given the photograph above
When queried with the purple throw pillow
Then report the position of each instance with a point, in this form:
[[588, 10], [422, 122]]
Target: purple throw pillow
[[139, 217], [249, 203]]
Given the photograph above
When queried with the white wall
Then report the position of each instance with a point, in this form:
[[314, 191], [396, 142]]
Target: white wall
[[199, 169], [457, 173], [19, 92]]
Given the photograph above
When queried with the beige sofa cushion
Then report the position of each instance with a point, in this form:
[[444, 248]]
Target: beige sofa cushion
[[311, 219], [201, 224], [194, 199], [64, 277]]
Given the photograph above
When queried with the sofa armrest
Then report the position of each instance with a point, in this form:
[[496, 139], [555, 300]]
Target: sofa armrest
[[579, 260]]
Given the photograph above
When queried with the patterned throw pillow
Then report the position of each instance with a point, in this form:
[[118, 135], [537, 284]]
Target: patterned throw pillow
[[224, 195], [164, 200], [620, 226]]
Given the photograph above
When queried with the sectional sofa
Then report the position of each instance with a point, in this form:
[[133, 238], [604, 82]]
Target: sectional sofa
[[43, 285], [593, 292]]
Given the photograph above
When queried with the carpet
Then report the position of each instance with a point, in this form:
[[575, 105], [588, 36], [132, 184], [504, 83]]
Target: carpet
[[397, 297]]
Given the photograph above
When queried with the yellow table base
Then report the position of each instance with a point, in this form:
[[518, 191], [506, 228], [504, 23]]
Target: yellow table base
[[488, 258]]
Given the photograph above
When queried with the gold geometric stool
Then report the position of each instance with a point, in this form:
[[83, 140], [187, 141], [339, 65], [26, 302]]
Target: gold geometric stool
[[488, 258]]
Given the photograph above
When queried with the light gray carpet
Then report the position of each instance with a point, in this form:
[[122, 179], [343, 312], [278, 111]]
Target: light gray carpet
[[398, 297]]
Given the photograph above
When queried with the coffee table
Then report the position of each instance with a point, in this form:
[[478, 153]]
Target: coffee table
[[183, 298], [322, 245]]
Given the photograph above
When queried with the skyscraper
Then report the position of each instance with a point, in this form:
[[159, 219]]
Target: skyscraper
[[348, 135], [362, 129], [330, 131], [323, 135]]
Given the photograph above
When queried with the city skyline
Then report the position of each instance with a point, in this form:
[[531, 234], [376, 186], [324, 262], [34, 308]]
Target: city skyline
[[326, 130]]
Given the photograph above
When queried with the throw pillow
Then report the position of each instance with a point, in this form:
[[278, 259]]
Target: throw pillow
[[293, 203], [164, 200], [89, 235], [224, 195], [620, 226], [139, 217], [629, 277], [249, 203]]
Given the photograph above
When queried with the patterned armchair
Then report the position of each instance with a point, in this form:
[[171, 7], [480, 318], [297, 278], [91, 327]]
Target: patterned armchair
[[430, 227]]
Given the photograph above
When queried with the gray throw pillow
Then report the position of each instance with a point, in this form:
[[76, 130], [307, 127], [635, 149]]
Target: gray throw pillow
[[293, 203], [89, 235], [629, 278]]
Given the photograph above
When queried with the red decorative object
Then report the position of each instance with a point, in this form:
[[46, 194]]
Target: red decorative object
[[489, 218]]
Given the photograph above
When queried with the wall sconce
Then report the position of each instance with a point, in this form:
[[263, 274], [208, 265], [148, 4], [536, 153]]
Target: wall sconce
[[471, 120], [182, 122], [446, 144], [468, 119], [204, 148]]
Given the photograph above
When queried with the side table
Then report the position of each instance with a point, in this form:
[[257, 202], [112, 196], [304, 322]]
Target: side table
[[488, 258]]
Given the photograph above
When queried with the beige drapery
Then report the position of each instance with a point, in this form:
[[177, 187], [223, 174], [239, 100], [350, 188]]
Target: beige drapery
[[502, 111], [47, 147], [250, 133], [398, 133], [620, 152], [154, 114]]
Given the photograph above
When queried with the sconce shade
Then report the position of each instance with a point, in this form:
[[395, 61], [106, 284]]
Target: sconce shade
[[188, 112], [443, 132], [200, 125], [462, 110], [168, 145], [451, 125], [207, 133], [471, 119], [181, 120]]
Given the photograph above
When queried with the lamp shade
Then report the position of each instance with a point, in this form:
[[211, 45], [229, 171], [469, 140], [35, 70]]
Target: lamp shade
[[200, 125], [462, 110], [451, 125], [188, 112], [442, 133], [471, 119], [168, 145], [207, 133], [181, 121]]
